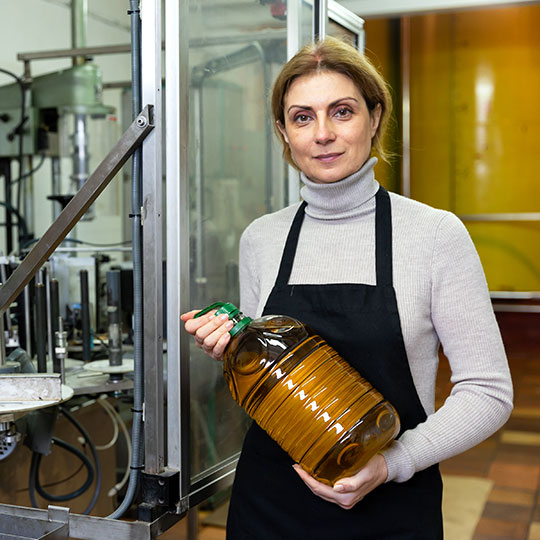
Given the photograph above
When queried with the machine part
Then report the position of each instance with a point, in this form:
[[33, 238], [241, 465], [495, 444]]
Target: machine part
[[17, 523], [60, 349], [31, 387], [27, 321], [114, 311], [55, 185], [8, 439], [5, 171], [41, 326], [107, 406], [104, 366], [79, 24], [83, 199], [85, 316], [136, 204], [22, 358], [39, 430], [54, 314], [61, 525], [35, 485], [93, 451], [80, 156], [159, 492]]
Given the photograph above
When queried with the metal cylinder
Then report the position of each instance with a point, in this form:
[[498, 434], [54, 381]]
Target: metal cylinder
[[115, 321], [85, 316], [55, 315], [41, 327], [79, 20]]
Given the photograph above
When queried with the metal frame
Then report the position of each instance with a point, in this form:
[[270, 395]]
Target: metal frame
[[63, 525], [152, 242], [177, 186]]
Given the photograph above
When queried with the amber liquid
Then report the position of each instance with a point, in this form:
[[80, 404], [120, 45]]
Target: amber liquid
[[307, 398]]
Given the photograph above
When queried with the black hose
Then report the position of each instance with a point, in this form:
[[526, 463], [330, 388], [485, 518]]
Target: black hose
[[95, 457], [34, 470], [32, 171], [137, 437]]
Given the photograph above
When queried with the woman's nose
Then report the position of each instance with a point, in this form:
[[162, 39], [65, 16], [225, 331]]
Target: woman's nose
[[324, 132]]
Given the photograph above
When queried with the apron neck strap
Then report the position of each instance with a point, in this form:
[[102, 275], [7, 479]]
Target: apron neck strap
[[289, 252], [383, 241], [383, 237]]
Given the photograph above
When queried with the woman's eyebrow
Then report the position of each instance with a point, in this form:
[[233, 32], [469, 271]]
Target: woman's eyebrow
[[334, 103]]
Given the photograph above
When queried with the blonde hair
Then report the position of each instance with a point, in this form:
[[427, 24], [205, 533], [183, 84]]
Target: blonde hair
[[332, 54]]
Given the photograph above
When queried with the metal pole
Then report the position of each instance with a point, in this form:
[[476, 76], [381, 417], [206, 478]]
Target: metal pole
[[41, 325], [54, 314], [177, 126], [152, 186], [85, 316], [114, 312]]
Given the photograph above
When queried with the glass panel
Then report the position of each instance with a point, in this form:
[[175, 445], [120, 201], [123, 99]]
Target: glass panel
[[236, 175]]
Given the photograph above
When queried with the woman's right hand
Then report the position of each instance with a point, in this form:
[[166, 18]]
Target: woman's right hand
[[211, 333]]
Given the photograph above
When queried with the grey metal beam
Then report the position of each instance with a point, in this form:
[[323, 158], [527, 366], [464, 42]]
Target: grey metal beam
[[152, 242], [76, 208], [178, 232]]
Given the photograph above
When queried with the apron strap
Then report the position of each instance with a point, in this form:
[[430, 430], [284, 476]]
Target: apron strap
[[289, 251], [383, 237]]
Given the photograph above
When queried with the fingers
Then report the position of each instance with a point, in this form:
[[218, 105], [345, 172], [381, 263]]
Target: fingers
[[189, 315], [336, 494], [211, 333]]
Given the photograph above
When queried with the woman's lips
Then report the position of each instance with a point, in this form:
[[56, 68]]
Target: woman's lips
[[327, 158]]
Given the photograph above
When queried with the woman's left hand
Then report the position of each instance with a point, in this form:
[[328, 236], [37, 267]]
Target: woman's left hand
[[348, 491]]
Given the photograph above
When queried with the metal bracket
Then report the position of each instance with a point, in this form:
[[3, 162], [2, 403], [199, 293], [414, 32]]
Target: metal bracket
[[76, 208], [160, 494]]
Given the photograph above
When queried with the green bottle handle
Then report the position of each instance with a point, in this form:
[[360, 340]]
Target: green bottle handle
[[222, 307]]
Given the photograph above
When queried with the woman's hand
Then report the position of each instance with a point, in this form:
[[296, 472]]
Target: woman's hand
[[211, 333], [348, 491]]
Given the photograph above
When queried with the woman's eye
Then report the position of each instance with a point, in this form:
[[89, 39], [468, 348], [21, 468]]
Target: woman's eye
[[301, 118], [343, 112]]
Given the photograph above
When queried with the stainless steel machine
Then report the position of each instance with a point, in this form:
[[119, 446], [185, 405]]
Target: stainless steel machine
[[203, 165]]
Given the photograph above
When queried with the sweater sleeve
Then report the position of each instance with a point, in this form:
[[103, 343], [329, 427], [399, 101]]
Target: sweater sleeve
[[480, 401], [249, 279]]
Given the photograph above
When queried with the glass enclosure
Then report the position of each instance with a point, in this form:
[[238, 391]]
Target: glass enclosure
[[224, 169], [235, 175]]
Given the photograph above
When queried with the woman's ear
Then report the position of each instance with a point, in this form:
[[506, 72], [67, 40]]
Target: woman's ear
[[282, 130], [375, 117]]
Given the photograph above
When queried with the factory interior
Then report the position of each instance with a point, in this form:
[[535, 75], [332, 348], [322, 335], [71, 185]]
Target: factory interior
[[136, 144]]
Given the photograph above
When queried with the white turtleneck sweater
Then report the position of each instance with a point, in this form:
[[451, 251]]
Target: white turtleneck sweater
[[442, 299]]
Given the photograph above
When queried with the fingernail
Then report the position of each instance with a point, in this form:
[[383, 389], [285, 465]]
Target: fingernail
[[211, 317], [229, 325], [224, 317], [339, 488]]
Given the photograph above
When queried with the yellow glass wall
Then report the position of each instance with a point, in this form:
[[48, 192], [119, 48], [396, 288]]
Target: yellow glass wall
[[475, 129]]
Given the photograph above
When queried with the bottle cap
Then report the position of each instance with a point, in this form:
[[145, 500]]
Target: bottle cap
[[232, 311]]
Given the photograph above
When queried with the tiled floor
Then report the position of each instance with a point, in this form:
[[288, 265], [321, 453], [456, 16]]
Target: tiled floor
[[510, 458]]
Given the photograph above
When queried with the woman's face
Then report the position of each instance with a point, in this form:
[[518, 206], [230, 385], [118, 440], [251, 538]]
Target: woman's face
[[328, 126]]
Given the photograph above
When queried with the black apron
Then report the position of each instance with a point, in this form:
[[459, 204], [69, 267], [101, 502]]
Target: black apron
[[269, 500]]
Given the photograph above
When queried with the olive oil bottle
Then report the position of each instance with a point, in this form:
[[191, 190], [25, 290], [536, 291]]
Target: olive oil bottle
[[318, 408]]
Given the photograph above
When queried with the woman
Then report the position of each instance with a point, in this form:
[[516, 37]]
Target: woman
[[385, 280]]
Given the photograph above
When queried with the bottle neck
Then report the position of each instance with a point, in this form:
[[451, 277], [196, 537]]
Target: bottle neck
[[240, 323]]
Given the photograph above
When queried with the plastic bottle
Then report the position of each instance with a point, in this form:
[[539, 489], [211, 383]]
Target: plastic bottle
[[297, 388]]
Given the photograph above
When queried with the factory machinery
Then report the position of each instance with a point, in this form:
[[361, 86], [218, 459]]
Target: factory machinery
[[78, 324]]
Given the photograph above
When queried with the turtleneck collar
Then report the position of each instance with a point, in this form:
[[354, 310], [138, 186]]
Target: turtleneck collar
[[343, 199]]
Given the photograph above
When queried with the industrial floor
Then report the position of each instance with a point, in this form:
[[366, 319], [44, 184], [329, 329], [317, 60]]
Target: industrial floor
[[492, 492]]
